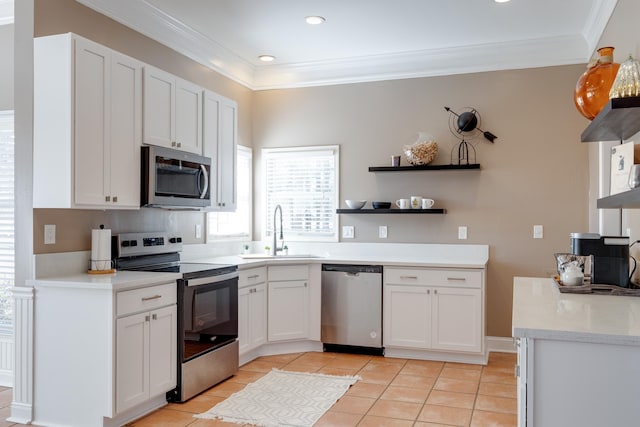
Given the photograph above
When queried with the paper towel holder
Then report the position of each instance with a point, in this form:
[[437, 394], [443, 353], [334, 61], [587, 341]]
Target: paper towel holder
[[98, 265]]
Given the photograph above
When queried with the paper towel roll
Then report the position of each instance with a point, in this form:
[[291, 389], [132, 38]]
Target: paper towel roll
[[101, 249]]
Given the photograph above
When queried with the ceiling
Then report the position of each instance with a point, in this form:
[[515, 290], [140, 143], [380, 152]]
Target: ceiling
[[366, 40]]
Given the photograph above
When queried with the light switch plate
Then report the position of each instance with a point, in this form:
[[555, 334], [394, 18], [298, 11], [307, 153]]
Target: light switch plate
[[538, 232], [49, 234], [462, 232], [382, 232], [347, 232], [198, 231]]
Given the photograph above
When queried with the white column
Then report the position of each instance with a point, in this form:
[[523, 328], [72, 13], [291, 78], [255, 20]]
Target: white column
[[21, 406]]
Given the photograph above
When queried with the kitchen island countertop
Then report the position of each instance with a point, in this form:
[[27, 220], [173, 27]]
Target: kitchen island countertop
[[540, 311]]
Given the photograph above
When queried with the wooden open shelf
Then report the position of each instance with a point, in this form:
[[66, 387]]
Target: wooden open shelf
[[423, 168], [390, 211], [618, 120]]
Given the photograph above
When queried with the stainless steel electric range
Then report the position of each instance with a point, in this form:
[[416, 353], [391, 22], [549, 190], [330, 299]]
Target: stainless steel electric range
[[207, 308]]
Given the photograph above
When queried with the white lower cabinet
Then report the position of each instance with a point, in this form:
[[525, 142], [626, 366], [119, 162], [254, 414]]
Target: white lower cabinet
[[252, 309], [288, 303], [146, 356], [104, 357], [434, 309]]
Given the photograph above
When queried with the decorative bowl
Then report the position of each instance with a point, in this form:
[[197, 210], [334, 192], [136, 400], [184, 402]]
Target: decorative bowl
[[355, 204], [381, 205]]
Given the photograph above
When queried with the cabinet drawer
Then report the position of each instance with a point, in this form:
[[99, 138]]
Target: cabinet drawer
[[289, 272], [415, 276], [144, 299], [252, 276]]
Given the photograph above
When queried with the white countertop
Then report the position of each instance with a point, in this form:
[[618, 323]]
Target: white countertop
[[540, 311], [60, 269], [397, 254], [118, 281]]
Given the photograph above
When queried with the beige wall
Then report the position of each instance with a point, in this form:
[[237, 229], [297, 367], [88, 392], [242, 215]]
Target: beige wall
[[73, 227], [535, 173], [6, 67]]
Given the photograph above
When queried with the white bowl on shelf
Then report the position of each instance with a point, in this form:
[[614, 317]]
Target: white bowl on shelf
[[355, 204]]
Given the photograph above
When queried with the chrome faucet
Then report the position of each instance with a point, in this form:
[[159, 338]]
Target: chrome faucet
[[274, 247]]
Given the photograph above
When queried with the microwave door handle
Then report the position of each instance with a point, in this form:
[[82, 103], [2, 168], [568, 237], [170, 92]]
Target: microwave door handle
[[206, 181]]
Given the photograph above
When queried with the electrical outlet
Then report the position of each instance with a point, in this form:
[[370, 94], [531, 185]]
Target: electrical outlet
[[382, 232], [538, 232], [198, 231], [347, 232], [462, 232], [49, 234]]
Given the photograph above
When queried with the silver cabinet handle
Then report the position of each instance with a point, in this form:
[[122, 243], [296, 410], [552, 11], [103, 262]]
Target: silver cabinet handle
[[409, 277], [151, 298], [253, 276], [457, 279]]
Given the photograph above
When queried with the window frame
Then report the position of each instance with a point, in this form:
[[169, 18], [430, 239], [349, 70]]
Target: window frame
[[268, 216], [242, 151]]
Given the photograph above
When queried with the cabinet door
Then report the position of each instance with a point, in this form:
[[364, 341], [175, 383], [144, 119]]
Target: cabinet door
[[258, 315], [91, 119], [521, 372], [125, 131], [220, 143], [288, 308], [457, 319], [244, 319], [407, 316], [158, 127], [132, 360], [163, 344], [188, 117]]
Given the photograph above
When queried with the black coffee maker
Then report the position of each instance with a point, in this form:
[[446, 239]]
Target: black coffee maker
[[610, 257]]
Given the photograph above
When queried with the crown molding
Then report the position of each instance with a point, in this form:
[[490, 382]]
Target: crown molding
[[152, 22], [596, 23]]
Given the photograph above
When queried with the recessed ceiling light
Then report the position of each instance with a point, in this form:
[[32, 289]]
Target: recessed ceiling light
[[501, 1], [266, 58], [314, 20]]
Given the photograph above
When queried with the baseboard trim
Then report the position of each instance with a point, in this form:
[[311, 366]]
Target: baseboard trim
[[501, 345], [20, 413]]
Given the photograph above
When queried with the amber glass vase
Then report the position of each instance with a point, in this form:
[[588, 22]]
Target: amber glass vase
[[592, 89]]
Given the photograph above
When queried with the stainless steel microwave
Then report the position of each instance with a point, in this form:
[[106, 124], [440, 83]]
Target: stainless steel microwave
[[174, 179]]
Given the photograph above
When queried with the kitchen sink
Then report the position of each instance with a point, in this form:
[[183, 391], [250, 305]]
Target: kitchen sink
[[267, 256]]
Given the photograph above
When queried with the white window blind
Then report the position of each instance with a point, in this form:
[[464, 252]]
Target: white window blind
[[235, 225], [7, 249], [304, 181]]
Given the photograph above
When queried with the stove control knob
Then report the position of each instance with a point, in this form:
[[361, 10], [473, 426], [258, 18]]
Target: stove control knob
[[179, 239], [173, 240], [133, 243], [125, 244]]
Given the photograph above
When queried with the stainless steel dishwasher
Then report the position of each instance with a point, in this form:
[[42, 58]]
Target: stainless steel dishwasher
[[351, 319]]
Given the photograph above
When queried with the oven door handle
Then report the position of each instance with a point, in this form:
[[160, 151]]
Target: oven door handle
[[212, 279]]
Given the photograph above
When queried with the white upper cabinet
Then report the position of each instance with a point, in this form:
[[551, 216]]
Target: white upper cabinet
[[220, 144], [87, 125], [172, 111]]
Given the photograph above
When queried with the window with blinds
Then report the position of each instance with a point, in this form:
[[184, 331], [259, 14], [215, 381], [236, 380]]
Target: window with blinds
[[235, 225], [304, 181], [7, 251]]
